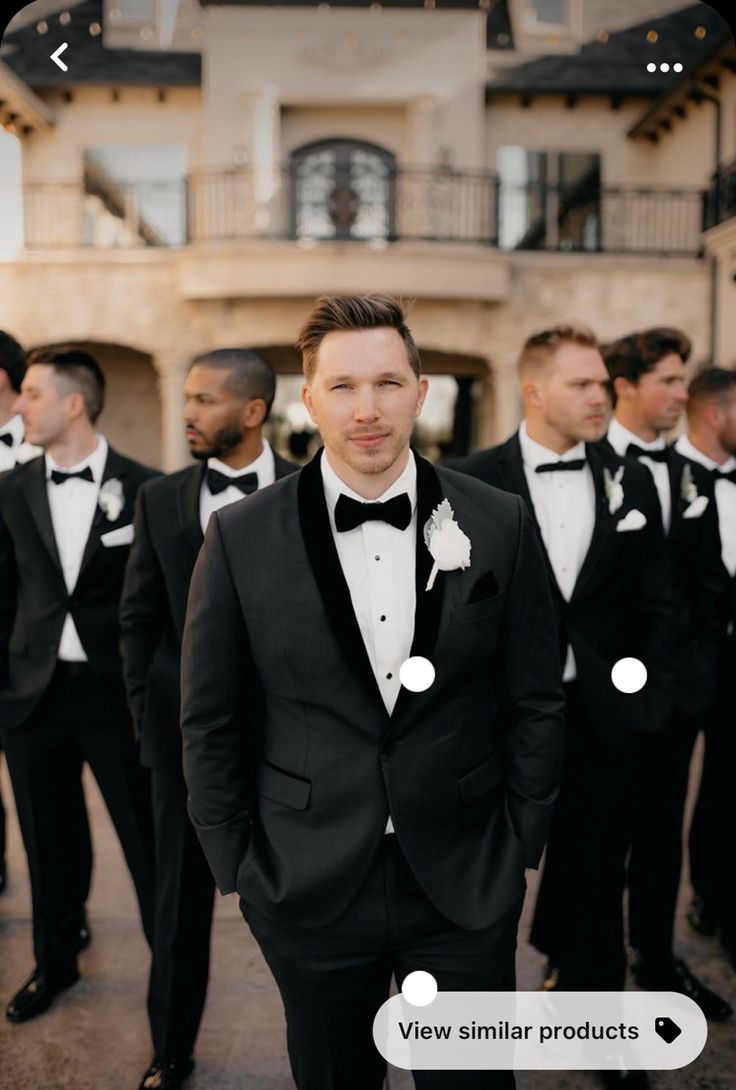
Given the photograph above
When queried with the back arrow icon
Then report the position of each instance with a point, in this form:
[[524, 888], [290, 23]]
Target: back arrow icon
[[55, 57]]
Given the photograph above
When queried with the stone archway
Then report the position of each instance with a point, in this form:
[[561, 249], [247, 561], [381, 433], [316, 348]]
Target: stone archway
[[131, 419]]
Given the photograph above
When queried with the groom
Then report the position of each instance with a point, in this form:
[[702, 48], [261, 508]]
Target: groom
[[371, 830]]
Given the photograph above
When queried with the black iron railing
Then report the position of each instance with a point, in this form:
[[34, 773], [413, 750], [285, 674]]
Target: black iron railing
[[422, 204]]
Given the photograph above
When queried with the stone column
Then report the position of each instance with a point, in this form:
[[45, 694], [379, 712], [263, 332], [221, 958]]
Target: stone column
[[171, 368]]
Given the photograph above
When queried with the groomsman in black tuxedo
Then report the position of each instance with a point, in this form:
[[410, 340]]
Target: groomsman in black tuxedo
[[65, 529], [598, 518], [371, 829], [710, 442], [228, 396], [14, 450], [647, 371]]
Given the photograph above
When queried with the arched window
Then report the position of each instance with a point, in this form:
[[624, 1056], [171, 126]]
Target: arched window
[[342, 189]]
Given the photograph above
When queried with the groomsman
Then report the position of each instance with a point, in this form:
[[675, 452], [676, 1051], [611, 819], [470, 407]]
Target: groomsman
[[14, 450], [228, 395], [371, 828], [65, 528], [710, 442], [598, 518], [647, 371]]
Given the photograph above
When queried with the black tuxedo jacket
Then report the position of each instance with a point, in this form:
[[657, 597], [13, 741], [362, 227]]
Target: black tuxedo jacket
[[704, 580], [467, 769], [621, 606], [168, 537], [33, 597], [698, 587]]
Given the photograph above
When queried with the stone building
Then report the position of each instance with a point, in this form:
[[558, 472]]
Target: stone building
[[200, 173]]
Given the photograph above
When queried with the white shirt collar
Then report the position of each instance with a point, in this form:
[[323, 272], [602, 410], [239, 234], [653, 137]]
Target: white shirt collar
[[619, 437], [14, 428], [533, 454], [688, 450], [334, 486], [259, 465], [96, 462]]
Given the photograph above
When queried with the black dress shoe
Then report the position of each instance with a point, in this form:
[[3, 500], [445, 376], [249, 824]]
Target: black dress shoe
[[37, 994], [624, 1080], [701, 917], [166, 1074], [676, 977], [85, 934]]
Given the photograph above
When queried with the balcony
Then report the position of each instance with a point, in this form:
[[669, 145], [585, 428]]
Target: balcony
[[402, 205], [720, 199]]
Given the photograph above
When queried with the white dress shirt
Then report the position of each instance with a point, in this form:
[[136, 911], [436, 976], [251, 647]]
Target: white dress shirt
[[619, 437], [564, 503], [378, 562], [19, 451], [725, 492], [264, 467], [73, 504]]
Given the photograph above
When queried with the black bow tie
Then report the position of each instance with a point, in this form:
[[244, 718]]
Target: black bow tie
[[720, 475], [6, 438], [58, 477], [350, 513], [552, 467], [217, 482], [634, 451]]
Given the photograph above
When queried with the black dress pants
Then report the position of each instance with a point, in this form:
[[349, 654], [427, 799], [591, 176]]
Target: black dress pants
[[78, 719], [578, 916], [655, 864], [333, 981], [185, 892], [712, 874]]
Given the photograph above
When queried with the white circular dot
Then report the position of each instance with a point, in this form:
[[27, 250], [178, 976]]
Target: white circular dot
[[629, 675], [664, 67], [419, 988], [416, 674], [651, 67], [677, 67]]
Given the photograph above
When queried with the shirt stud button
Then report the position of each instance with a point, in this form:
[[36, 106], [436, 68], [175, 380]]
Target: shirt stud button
[[377, 558], [389, 676], [383, 616]]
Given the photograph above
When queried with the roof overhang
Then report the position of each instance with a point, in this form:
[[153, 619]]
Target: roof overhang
[[19, 104]]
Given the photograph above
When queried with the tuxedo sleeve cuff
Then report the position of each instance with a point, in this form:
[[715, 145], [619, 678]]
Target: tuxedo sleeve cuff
[[530, 821], [224, 847]]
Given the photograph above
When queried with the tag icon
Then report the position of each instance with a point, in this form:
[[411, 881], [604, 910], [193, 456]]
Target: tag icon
[[668, 1030]]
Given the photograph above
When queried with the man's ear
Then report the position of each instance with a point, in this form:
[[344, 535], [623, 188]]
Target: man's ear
[[622, 388], [4, 381], [254, 412], [307, 399]]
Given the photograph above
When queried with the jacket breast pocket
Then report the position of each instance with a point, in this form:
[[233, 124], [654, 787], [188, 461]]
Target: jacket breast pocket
[[477, 611]]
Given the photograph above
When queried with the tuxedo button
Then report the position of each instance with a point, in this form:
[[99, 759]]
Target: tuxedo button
[[383, 616]]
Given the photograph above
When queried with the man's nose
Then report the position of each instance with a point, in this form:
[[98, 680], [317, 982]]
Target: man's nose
[[365, 407]]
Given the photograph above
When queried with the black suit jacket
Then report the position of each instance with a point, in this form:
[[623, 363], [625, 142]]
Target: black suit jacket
[[701, 570], [168, 537], [467, 769], [33, 597], [697, 573], [621, 606]]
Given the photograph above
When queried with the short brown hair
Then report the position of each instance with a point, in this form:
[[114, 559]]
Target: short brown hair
[[81, 371], [539, 349], [714, 384], [633, 356], [335, 313]]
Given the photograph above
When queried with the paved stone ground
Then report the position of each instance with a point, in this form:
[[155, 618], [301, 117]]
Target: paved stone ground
[[96, 1035]]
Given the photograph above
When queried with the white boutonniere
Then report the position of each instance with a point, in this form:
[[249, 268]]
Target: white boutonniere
[[449, 546], [688, 487], [614, 489], [111, 499], [696, 503]]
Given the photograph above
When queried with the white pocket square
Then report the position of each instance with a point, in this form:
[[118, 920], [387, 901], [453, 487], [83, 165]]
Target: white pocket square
[[122, 536], [633, 520], [696, 508]]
